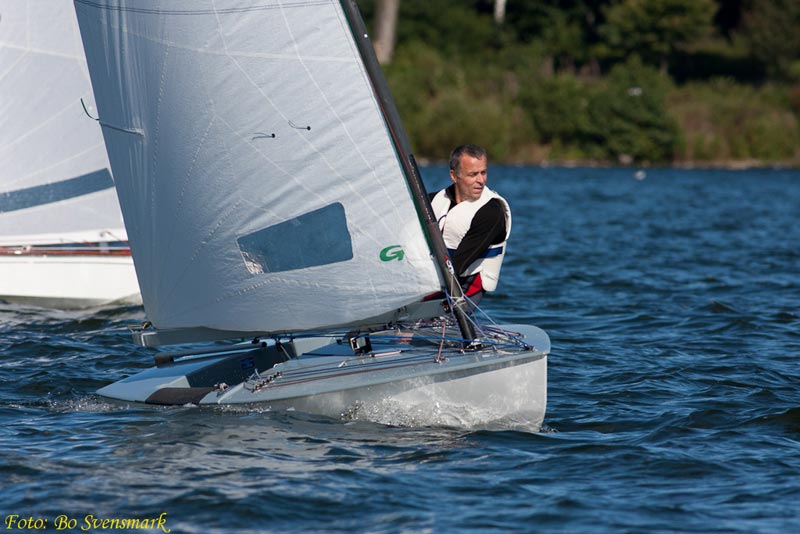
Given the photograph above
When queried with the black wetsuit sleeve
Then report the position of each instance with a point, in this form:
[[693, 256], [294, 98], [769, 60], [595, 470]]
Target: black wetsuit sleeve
[[488, 228]]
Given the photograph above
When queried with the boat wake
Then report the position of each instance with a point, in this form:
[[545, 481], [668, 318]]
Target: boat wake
[[395, 412], [86, 403]]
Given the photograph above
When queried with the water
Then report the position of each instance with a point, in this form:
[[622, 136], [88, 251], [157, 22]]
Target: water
[[674, 390]]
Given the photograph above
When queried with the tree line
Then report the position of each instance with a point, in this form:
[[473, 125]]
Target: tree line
[[622, 81]]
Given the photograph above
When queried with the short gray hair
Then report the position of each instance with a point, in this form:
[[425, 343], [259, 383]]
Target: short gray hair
[[470, 150]]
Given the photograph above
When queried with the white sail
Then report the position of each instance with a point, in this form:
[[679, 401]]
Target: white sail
[[257, 177], [55, 183]]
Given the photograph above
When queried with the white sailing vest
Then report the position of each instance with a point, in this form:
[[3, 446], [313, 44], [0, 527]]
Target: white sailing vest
[[455, 222]]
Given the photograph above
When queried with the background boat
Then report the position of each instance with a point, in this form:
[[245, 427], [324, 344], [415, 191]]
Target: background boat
[[62, 240]]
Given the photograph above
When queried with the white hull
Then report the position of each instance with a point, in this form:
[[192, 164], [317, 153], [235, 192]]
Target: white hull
[[68, 282], [502, 386], [511, 397]]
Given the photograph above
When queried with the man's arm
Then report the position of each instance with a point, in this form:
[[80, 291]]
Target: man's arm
[[488, 228]]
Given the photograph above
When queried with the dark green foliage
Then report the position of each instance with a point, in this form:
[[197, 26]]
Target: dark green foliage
[[653, 29], [559, 110], [624, 118], [772, 28], [418, 73], [535, 90], [629, 116], [453, 28], [454, 119], [444, 104], [565, 32]]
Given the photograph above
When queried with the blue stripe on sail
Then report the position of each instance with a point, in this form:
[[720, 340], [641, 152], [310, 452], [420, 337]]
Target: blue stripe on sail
[[49, 193], [490, 253]]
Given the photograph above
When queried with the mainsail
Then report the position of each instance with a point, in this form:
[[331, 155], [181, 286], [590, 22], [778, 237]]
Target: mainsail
[[55, 183], [260, 186]]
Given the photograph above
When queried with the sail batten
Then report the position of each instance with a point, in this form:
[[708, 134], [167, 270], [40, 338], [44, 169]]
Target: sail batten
[[260, 124]]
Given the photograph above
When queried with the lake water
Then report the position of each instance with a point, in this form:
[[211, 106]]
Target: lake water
[[673, 304]]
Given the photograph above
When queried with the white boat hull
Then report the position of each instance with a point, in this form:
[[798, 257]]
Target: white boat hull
[[395, 383], [509, 397], [68, 282]]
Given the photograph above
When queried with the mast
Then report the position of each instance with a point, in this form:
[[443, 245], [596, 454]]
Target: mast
[[409, 164]]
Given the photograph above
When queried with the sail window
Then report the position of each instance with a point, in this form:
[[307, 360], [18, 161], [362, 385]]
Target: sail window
[[315, 238]]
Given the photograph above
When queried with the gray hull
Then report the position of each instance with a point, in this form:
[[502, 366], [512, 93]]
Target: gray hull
[[498, 385]]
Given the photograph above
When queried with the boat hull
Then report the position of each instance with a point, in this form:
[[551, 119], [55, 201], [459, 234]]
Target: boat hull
[[394, 383], [488, 397], [68, 282]]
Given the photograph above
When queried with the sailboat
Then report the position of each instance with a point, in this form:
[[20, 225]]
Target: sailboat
[[62, 239], [271, 196]]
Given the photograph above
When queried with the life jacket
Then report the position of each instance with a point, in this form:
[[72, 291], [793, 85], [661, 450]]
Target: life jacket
[[455, 222]]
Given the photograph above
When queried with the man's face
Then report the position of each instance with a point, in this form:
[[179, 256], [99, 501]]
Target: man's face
[[471, 178]]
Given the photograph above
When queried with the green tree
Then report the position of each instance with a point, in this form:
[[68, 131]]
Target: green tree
[[772, 29], [629, 116], [566, 28], [564, 38], [454, 28], [558, 108], [653, 29]]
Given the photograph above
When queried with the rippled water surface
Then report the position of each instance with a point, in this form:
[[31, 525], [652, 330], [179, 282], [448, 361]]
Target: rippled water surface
[[673, 306]]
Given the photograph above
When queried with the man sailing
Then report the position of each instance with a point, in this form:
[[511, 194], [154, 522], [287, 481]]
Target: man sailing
[[475, 222]]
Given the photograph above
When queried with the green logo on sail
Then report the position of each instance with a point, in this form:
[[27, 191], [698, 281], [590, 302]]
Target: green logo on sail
[[392, 252]]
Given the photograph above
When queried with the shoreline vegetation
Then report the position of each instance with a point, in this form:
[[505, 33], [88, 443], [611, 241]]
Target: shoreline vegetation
[[545, 89]]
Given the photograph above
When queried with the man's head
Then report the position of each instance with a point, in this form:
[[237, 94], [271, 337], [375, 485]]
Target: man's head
[[468, 171]]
